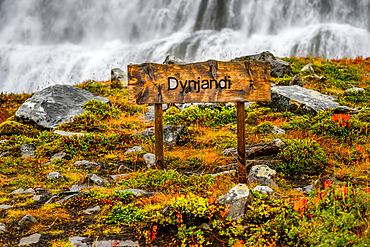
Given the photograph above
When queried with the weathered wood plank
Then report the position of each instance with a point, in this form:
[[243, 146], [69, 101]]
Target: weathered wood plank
[[240, 120], [158, 125], [204, 82]]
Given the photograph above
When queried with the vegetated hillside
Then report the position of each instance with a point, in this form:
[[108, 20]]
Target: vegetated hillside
[[180, 204]]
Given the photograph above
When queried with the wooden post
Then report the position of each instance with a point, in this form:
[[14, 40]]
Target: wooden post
[[240, 112], [158, 135]]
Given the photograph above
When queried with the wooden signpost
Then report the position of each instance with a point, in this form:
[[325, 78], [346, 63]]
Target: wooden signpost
[[204, 82]]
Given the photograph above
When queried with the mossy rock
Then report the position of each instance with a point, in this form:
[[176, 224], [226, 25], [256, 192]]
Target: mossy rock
[[10, 127], [173, 110]]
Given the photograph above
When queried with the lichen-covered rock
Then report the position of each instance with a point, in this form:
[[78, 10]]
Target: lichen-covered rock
[[55, 105], [262, 175], [300, 100], [278, 66], [236, 198]]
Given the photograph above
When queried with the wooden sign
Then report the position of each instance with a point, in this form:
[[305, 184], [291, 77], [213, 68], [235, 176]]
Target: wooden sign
[[204, 82]]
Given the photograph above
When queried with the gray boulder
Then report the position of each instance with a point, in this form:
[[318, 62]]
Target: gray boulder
[[300, 100], [237, 198], [262, 175], [278, 66], [55, 105]]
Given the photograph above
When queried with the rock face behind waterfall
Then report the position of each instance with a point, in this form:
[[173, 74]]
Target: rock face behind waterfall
[[55, 105]]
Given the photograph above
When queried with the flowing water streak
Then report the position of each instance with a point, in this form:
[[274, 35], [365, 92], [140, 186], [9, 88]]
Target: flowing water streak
[[45, 42]]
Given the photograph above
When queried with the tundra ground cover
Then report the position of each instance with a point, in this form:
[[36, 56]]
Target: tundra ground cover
[[182, 209]]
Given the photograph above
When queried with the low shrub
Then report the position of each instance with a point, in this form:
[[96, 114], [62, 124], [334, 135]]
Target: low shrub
[[301, 157]]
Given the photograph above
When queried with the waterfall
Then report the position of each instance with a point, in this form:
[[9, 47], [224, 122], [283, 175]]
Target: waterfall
[[47, 42]]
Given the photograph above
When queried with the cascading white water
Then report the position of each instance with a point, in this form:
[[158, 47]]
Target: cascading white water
[[45, 42]]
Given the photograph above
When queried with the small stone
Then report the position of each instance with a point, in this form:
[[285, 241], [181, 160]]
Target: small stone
[[97, 180], [237, 198], [92, 210], [27, 220], [204, 226], [136, 192], [37, 198], [4, 154], [173, 60], [30, 191], [65, 133], [18, 191], [28, 151], [229, 173], [150, 160], [307, 189], [55, 176], [134, 149], [5, 207], [114, 177], [42, 191], [355, 89], [262, 175], [59, 155], [3, 227], [33, 239], [263, 189], [278, 131], [86, 165], [308, 67]]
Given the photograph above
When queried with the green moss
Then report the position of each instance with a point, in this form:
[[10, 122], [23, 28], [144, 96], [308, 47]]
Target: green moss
[[16, 128]]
